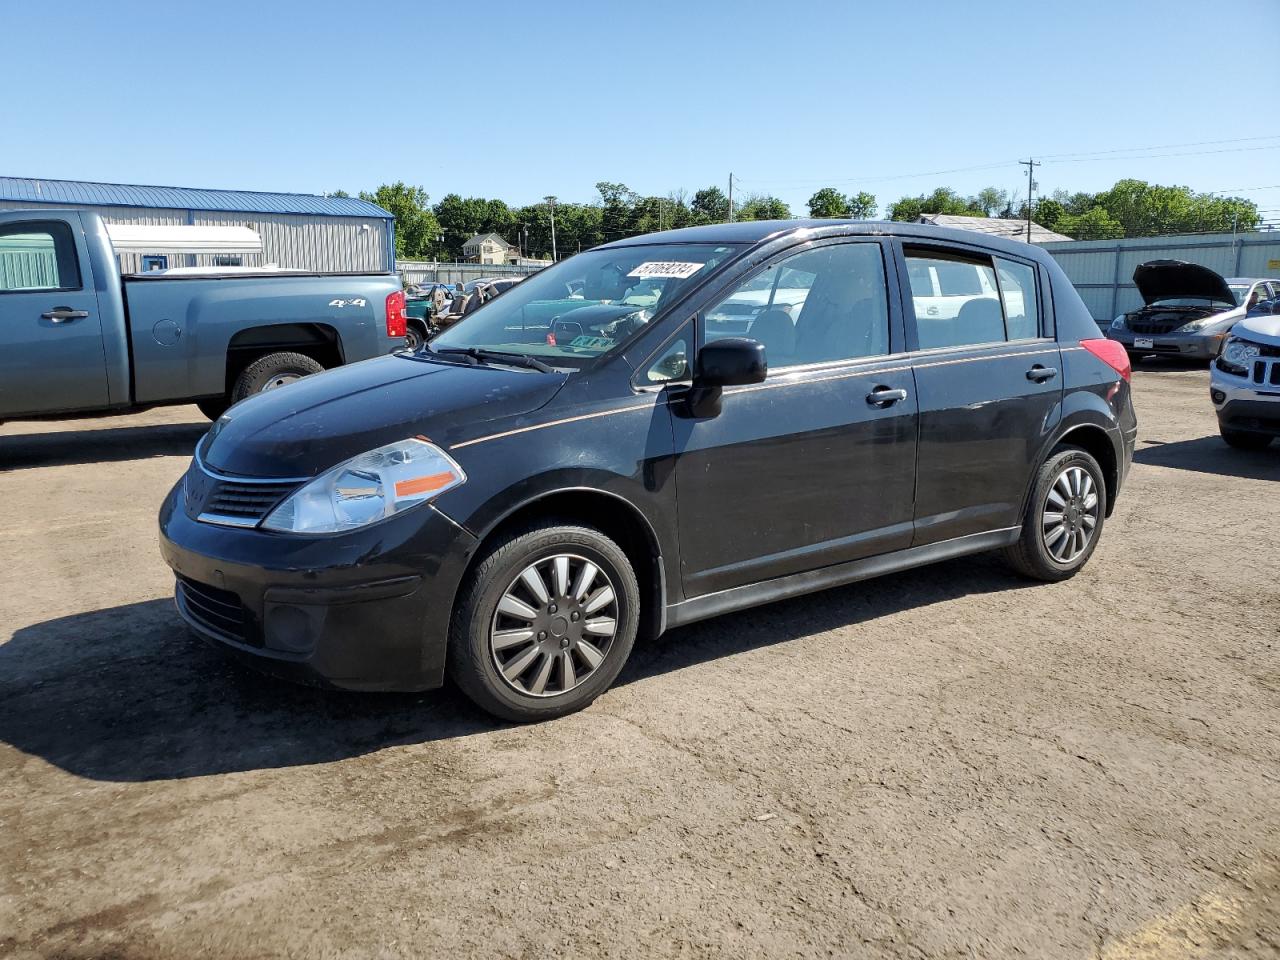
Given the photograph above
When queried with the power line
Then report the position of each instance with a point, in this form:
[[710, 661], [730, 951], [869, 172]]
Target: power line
[[1159, 146]]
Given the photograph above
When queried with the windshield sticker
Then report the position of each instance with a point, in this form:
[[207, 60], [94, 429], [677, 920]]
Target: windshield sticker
[[595, 343], [668, 269]]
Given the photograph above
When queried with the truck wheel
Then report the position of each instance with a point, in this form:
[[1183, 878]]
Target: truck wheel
[[1243, 440], [214, 407], [545, 623], [414, 337], [273, 370]]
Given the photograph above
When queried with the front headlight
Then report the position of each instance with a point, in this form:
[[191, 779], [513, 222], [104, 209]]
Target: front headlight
[[368, 488], [1195, 325], [1238, 353], [1118, 323]]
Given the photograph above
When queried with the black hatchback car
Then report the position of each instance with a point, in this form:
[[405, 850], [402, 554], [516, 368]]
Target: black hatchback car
[[655, 431]]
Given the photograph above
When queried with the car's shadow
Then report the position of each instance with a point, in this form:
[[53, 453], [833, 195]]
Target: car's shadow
[[125, 694], [26, 450], [1211, 455]]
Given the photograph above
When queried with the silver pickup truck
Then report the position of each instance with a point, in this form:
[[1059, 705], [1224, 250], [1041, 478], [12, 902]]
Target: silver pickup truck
[[76, 336]]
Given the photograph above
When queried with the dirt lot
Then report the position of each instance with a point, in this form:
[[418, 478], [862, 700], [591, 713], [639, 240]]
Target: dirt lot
[[945, 763]]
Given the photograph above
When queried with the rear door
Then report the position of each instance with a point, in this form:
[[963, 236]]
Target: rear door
[[816, 464], [51, 351], [989, 385]]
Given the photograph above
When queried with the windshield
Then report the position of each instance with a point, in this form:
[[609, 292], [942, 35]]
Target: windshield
[[1239, 291], [580, 309]]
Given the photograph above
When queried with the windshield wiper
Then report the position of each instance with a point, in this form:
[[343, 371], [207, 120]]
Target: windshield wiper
[[478, 354]]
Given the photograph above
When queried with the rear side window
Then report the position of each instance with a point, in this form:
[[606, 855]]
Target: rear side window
[[1018, 293], [962, 300], [955, 298], [37, 255]]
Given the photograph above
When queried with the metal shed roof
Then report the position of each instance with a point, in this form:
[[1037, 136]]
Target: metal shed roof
[[83, 193]]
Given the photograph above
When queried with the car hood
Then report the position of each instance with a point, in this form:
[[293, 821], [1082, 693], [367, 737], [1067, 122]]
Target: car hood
[[309, 426], [1265, 330], [1168, 279]]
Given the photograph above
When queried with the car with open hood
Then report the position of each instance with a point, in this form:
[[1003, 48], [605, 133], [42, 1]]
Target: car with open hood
[[655, 431], [1188, 310], [1244, 383]]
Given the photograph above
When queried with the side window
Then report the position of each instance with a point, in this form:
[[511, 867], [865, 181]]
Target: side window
[[37, 255], [825, 304], [966, 307], [1021, 306]]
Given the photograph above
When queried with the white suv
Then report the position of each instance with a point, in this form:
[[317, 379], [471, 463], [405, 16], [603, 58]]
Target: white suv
[[1244, 383]]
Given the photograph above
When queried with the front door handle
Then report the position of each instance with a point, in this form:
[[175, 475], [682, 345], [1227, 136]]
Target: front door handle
[[64, 314], [1040, 373], [885, 396]]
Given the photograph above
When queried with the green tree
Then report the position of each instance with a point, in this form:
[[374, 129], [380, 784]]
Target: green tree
[[762, 208], [828, 202], [990, 201], [709, 205], [417, 229], [942, 200], [1093, 224], [862, 205]]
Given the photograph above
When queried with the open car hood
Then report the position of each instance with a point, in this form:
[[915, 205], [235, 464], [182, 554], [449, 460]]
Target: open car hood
[[1169, 279]]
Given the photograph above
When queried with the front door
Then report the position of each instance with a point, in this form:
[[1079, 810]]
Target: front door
[[990, 388], [51, 351], [816, 464]]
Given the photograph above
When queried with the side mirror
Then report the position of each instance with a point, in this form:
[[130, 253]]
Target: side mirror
[[730, 362]]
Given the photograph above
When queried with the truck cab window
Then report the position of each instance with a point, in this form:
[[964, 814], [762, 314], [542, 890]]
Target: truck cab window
[[37, 255]]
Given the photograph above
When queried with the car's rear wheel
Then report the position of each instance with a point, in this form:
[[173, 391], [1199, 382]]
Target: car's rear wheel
[[545, 622], [1243, 440], [272, 371], [1064, 517]]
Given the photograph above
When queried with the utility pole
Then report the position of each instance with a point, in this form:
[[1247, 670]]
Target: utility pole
[[731, 198], [551, 202], [1031, 185]]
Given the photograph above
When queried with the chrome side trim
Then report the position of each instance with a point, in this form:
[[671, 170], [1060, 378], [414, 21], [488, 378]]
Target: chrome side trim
[[225, 521]]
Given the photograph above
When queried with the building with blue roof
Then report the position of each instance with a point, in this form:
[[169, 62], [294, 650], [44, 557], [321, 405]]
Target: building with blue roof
[[298, 230]]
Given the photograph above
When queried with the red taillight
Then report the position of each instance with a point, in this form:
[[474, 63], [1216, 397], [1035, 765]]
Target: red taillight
[[1112, 354], [397, 319]]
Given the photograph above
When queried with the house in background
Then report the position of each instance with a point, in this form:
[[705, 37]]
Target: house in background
[[995, 227], [489, 248]]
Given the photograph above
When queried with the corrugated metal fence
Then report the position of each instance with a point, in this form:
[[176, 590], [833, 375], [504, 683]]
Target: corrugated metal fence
[[1102, 270], [426, 271]]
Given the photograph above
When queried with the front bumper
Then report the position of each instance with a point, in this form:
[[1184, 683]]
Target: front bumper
[[365, 610], [1190, 346], [1244, 405]]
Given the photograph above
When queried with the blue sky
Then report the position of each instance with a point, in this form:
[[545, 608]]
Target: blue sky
[[517, 100]]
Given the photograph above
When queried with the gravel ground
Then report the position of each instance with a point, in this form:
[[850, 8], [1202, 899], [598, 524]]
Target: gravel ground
[[943, 763]]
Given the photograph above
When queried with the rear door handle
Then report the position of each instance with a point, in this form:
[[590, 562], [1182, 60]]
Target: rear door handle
[[63, 314], [885, 396], [1040, 373]]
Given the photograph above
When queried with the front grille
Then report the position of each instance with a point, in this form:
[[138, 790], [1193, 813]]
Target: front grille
[[247, 502], [1266, 372], [217, 610], [1154, 326]]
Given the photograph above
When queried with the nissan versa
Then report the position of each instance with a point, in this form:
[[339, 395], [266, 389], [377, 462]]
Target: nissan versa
[[655, 431]]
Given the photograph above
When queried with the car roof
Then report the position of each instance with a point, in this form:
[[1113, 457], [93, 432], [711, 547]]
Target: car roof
[[1251, 280], [757, 231]]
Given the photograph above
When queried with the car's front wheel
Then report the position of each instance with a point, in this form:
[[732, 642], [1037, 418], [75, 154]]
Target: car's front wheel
[[1243, 440], [1064, 517], [545, 622]]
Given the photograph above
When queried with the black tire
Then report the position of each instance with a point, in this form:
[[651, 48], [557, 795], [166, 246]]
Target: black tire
[[473, 661], [1243, 440], [1031, 556], [266, 371], [414, 337], [214, 407]]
